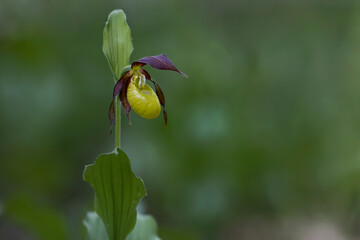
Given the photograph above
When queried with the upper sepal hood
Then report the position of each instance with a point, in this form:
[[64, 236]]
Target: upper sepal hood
[[161, 62]]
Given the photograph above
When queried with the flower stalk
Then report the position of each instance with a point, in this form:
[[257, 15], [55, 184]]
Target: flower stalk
[[117, 123]]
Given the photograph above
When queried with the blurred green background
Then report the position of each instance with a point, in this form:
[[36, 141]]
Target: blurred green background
[[263, 137]]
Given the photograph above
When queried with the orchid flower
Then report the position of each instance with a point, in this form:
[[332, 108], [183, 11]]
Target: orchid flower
[[136, 94]]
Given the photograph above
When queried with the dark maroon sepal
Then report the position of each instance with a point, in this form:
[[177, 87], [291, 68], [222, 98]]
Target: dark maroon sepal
[[161, 62]]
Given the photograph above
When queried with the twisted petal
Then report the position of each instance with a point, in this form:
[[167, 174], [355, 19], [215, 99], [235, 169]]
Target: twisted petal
[[118, 86], [159, 93], [161, 97], [165, 116], [161, 62], [117, 90], [123, 97]]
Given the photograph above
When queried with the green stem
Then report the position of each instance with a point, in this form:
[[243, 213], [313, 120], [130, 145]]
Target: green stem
[[117, 122]]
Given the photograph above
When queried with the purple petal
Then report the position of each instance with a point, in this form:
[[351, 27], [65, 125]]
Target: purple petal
[[161, 62]]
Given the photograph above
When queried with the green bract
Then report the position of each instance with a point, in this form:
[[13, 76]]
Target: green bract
[[117, 44]]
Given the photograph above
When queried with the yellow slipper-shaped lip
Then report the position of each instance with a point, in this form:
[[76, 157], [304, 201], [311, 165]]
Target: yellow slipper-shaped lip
[[143, 100]]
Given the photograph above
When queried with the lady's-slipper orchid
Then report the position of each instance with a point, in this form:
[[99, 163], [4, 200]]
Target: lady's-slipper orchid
[[135, 94]]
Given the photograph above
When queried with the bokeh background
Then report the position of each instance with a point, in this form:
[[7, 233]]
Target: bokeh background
[[263, 137]]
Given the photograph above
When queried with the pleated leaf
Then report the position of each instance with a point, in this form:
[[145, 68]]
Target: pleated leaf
[[117, 44], [145, 229], [117, 192]]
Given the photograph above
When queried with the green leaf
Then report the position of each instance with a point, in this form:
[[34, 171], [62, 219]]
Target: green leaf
[[145, 229], [117, 45], [95, 227], [118, 192]]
